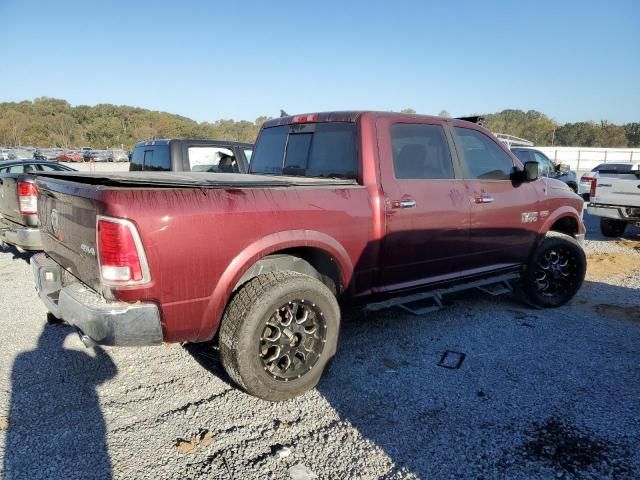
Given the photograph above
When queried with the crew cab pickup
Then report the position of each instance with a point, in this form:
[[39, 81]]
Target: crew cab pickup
[[191, 155], [18, 199], [356, 207], [615, 197]]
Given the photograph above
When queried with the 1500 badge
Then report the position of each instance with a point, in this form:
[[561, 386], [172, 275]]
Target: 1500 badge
[[529, 217]]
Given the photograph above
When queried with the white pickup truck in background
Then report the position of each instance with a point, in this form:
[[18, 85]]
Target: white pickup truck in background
[[615, 198]]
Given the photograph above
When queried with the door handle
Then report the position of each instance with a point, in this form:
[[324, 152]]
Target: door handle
[[403, 204], [483, 199]]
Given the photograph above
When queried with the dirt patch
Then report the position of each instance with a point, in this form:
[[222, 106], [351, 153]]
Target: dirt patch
[[564, 447], [191, 444], [629, 244], [4, 423], [606, 265], [617, 312]]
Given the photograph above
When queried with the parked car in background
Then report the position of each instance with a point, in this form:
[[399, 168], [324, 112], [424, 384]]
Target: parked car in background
[[615, 197], [186, 155], [70, 156], [117, 155], [18, 197], [548, 168], [98, 156], [350, 206], [588, 179], [21, 153]]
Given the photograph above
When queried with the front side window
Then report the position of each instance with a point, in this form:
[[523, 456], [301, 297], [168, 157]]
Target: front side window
[[420, 152], [212, 159], [544, 164], [311, 150], [483, 158]]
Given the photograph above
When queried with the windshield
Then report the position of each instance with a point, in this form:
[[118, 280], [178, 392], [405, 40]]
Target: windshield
[[309, 150]]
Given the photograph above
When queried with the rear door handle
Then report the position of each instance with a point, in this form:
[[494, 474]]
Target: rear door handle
[[403, 204], [483, 199]]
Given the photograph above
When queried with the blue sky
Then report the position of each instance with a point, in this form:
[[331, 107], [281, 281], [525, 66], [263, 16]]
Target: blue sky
[[574, 60]]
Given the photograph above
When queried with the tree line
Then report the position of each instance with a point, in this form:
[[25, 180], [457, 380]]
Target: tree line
[[48, 122]]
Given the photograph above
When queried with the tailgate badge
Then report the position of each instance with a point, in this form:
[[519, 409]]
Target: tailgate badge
[[55, 222]]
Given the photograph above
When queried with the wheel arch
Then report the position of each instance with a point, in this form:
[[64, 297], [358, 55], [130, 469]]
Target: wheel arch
[[309, 252]]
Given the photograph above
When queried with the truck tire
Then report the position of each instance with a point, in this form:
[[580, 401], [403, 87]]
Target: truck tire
[[278, 333], [612, 228], [555, 271]]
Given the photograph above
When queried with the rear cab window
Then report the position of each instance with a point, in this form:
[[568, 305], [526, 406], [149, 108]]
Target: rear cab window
[[327, 150], [482, 157], [151, 158]]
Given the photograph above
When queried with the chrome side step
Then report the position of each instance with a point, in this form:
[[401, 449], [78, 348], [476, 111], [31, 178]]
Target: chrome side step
[[422, 303]]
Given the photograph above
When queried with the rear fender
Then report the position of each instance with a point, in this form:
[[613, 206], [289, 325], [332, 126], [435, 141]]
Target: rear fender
[[260, 249]]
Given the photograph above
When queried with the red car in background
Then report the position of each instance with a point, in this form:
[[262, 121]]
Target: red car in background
[[70, 157]]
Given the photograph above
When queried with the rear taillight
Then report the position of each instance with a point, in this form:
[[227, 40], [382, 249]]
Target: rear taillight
[[120, 252], [28, 198], [594, 184]]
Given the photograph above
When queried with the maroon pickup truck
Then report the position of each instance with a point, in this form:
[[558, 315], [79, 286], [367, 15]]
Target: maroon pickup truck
[[349, 207]]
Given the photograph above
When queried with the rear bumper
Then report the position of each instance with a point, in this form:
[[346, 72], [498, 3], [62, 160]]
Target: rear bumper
[[27, 238], [629, 214], [99, 321]]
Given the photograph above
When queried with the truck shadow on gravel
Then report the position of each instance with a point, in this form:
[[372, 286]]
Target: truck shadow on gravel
[[508, 409], [56, 428]]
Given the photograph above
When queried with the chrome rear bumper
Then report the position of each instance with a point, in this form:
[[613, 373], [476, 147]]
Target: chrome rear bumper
[[99, 321]]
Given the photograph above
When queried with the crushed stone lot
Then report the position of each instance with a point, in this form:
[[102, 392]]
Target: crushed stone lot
[[486, 388]]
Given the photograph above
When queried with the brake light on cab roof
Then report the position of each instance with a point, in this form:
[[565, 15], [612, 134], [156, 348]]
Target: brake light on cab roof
[[311, 117]]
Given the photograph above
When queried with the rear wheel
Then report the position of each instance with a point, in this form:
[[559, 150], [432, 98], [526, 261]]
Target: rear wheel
[[555, 272], [612, 228], [278, 334]]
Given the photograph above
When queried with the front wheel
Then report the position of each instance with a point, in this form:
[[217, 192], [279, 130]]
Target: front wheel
[[278, 334], [555, 272], [612, 228]]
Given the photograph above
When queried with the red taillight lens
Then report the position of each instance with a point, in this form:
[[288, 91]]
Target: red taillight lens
[[313, 117], [121, 256], [28, 198], [594, 184]]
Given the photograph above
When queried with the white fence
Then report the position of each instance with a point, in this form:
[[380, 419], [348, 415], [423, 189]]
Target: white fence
[[584, 158]]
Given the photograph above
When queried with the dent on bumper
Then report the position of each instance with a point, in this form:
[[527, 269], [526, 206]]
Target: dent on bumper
[[27, 238], [103, 322]]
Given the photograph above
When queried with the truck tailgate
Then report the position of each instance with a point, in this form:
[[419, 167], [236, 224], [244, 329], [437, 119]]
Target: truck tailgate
[[618, 189], [68, 228]]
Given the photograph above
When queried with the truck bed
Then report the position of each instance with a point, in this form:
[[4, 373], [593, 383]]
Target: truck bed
[[192, 180]]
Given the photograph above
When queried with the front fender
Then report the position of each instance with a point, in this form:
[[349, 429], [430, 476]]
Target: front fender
[[260, 249]]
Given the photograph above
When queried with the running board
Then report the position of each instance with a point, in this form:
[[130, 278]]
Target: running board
[[421, 303]]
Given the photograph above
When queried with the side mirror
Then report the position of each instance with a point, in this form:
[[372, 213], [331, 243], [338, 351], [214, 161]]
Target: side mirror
[[530, 171]]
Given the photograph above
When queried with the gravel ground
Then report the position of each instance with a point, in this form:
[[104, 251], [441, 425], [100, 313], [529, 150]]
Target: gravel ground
[[544, 394]]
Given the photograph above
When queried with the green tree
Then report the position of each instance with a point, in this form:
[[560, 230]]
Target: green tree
[[632, 132], [408, 110]]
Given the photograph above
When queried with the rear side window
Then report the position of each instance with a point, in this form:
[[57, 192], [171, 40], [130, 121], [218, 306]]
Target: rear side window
[[420, 152], [212, 159], [51, 168], [483, 158], [151, 157], [311, 150]]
